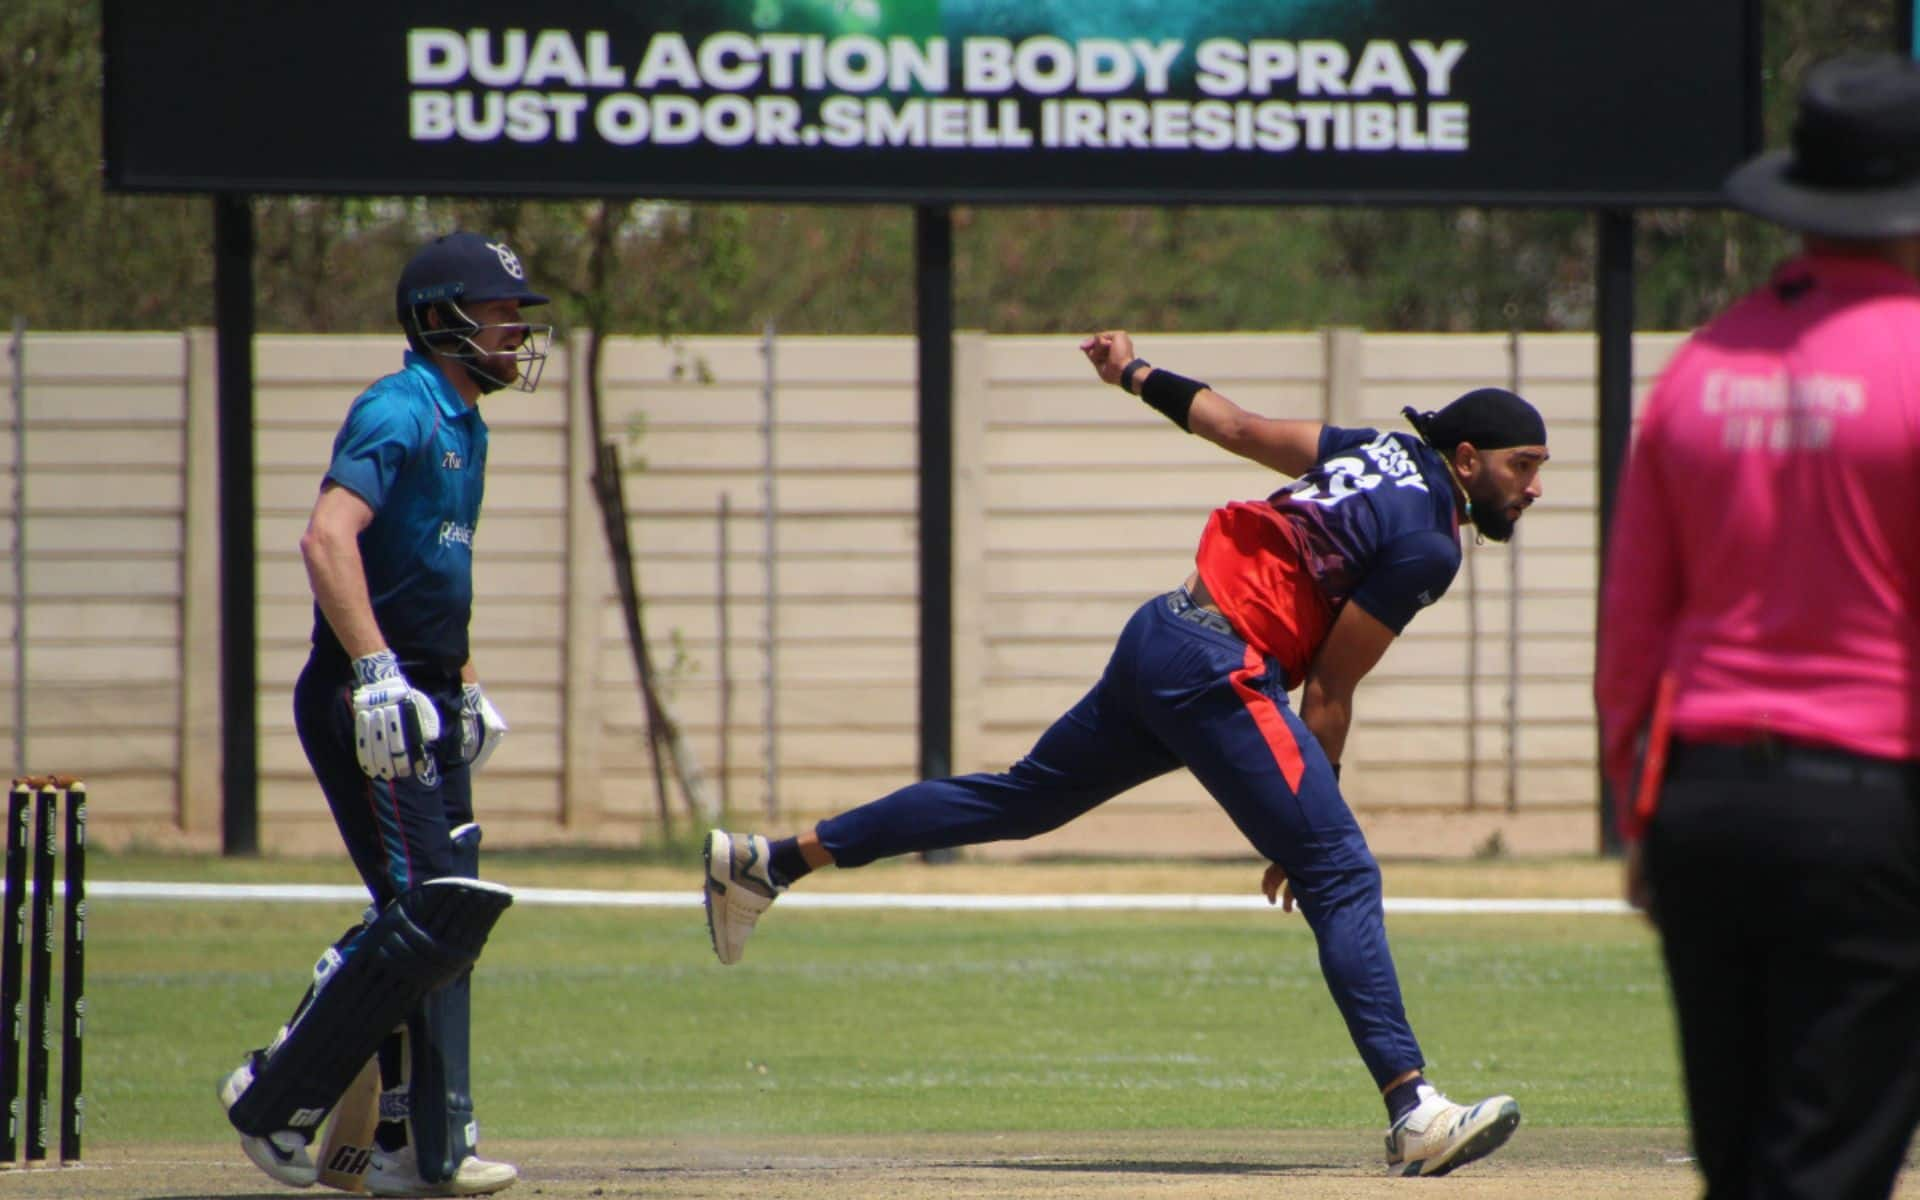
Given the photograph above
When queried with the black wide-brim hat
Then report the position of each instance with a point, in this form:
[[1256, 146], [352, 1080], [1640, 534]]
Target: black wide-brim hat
[[1854, 169]]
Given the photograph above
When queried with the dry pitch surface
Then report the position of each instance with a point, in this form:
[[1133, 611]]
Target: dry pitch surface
[[1111, 1166]]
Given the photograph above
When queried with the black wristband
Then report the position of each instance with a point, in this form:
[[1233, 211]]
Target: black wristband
[[1336, 772], [1127, 373], [1171, 394]]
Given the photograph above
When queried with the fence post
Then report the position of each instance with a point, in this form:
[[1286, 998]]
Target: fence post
[[971, 402], [770, 553], [17, 351], [587, 578], [1513, 616], [202, 728], [723, 637], [1344, 354]]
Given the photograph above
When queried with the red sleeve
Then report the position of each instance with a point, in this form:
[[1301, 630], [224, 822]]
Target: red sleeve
[[1640, 598]]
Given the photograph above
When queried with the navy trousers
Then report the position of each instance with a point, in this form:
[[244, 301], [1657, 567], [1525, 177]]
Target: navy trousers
[[397, 831], [1182, 690], [399, 834]]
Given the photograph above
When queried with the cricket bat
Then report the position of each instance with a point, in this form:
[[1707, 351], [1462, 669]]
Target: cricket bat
[[347, 1150]]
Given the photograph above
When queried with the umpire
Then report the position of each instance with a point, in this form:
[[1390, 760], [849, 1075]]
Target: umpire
[[1759, 635], [393, 720]]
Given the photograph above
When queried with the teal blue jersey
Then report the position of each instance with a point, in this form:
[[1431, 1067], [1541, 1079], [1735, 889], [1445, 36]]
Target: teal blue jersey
[[417, 454]]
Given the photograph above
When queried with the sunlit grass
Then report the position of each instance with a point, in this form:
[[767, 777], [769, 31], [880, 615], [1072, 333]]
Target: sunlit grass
[[619, 1022]]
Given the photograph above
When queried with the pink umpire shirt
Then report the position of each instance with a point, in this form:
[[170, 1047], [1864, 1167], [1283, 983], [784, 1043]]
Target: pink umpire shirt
[[1765, 548]]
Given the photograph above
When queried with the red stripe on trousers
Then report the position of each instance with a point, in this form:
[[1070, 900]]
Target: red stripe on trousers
[[1266, 715], [399, 826]]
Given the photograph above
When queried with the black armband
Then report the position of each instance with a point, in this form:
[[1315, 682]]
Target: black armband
[[1171, 394], [1127, 373]]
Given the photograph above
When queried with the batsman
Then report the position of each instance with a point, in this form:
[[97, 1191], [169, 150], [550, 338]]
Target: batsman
[[392, 717]]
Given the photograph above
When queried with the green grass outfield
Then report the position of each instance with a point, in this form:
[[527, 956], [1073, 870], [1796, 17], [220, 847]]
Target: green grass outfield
[[594, 1022]]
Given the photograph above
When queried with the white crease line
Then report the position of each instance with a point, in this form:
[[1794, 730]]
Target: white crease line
[[306, 893]]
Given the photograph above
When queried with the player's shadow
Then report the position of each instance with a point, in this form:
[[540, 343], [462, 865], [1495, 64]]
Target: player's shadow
[[1153, 1167]]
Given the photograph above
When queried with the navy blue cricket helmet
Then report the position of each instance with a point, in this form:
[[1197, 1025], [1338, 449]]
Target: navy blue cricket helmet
[[446, 276]]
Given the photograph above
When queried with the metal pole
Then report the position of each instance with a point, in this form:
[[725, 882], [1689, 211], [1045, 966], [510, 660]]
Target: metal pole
[[933, 242], [726, 671], [17, 351], [1614, 321], [1513, 614], [933, 330], [770, 556], [239, 690]]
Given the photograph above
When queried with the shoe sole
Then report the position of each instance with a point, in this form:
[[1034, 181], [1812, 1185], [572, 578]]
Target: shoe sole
[[1482, 1143], [486, 1187], [706, 892]]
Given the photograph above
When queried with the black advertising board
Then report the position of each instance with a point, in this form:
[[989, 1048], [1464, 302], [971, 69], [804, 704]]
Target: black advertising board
[[1627, 102]]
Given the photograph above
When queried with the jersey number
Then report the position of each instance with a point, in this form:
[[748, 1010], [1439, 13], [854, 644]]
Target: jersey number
[[1350, 474], [1339, 478]]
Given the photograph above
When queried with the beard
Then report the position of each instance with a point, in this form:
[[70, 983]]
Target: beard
[[492, 372], [1489, 515], [1493, 523]]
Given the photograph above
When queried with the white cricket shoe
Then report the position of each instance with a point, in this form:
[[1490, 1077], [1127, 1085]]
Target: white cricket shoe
[[1439, 1135], [397, 1173], [283, 1156], [738, 889]]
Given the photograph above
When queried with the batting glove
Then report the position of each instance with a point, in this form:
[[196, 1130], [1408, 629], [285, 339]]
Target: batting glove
[[394, 723], [480, 726]]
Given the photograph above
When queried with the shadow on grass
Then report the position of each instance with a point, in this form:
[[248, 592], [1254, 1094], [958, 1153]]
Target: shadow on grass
[[1053, 1166], [1155, 1167]]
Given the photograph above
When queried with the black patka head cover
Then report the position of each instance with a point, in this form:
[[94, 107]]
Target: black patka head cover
[[1486, 419]]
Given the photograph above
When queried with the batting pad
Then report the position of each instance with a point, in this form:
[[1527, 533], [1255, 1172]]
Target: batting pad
[[428, 936], [439, 1037]]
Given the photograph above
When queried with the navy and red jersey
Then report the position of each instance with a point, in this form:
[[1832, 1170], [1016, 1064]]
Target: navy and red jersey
[[1373, 522]]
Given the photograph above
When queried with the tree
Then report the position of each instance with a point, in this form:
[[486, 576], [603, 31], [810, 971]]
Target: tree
[[75, 257], [94, 260]]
